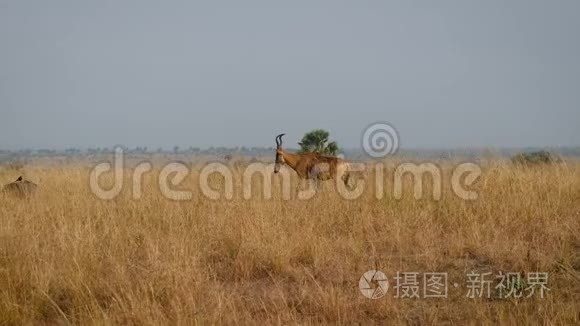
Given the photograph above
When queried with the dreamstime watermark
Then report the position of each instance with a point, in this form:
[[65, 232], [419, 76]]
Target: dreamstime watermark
[[374, 284], [378, 140]]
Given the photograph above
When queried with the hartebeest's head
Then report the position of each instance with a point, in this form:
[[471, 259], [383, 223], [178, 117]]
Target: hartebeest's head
[[279, 153]]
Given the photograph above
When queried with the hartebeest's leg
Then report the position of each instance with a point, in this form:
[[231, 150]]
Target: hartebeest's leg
[[306, 189], [345, 179], [314, 178]]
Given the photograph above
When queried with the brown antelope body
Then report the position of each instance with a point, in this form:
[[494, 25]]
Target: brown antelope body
[[310, 165], [20, 188]]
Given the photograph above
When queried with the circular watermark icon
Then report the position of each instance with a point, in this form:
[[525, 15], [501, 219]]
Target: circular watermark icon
[[373, 284], [380, 139]]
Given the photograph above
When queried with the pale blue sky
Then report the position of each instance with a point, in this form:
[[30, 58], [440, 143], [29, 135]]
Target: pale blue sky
[[227, 73]]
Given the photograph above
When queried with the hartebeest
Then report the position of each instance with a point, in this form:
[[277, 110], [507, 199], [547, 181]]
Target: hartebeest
[[310, 165]]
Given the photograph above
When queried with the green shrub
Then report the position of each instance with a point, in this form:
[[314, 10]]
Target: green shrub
[[533, 158]]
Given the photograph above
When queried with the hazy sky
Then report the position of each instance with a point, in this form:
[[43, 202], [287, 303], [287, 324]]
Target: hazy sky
[[226, 73]]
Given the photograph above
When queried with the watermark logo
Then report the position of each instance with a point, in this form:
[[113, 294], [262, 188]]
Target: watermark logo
[[373, 284], [478, 285], [380, 139]]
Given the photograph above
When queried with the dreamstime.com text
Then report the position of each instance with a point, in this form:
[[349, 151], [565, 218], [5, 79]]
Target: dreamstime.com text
[[174, 174]]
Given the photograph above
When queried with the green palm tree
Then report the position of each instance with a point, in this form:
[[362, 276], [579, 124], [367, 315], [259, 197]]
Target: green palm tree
[[317, 141]]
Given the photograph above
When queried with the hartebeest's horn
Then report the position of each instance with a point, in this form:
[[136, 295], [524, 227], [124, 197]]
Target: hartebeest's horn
[[279, 140]]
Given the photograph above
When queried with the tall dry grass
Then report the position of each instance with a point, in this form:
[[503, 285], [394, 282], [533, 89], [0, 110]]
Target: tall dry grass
[[68, 257]]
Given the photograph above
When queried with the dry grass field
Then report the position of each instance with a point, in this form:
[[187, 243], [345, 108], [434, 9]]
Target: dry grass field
[[67, 257]]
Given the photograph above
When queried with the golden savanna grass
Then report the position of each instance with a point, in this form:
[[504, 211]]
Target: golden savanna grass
[[68, 257]]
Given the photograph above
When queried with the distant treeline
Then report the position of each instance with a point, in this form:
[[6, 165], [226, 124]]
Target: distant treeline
[[266, 151], [140, 150]]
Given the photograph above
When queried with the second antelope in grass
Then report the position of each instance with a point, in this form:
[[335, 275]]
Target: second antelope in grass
[[20, 188]]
